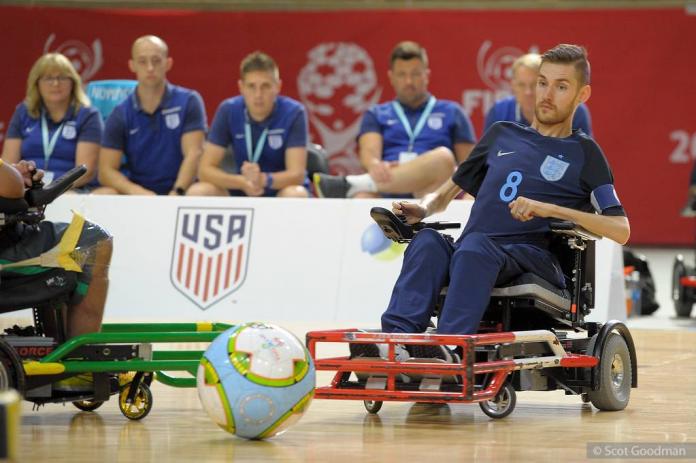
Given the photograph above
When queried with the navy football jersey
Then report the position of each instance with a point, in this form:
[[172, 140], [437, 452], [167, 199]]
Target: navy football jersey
[[513, 160]]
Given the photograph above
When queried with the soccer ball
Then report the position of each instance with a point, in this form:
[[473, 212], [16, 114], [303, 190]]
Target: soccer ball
[[256, 380]]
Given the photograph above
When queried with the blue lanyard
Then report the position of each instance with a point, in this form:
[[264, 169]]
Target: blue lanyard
[[413, 133], [48, 144], [256, 154]]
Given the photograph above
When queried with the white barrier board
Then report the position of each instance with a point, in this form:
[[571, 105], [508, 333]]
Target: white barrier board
[[288, 260]]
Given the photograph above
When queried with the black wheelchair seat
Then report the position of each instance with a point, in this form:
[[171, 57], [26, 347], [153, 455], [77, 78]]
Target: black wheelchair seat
[[20, 292]]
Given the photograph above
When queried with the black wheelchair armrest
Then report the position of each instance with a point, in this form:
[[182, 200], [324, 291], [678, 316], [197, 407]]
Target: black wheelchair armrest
[[38, 197], [396, 229], [573, 230]]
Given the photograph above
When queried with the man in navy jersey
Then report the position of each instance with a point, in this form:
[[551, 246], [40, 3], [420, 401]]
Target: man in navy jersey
[[522, 177], [159, 128], [267, 134], [410, 145], [520, 106]]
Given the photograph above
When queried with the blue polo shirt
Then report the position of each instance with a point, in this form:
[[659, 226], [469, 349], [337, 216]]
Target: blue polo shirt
[[445, 126], [287, 128], [151, 143], [84, 125], [514, 160], [507, 109]]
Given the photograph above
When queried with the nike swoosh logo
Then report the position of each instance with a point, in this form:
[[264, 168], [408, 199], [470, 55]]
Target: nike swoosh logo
[[503, 153]]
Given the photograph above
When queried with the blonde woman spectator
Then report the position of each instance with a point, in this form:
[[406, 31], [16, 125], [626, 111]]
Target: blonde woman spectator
[[54, 126]]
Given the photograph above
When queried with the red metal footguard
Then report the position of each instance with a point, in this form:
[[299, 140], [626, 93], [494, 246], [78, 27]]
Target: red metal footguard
[[463, 391], [688, 281]]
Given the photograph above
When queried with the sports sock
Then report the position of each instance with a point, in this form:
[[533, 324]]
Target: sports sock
[[360, 183]]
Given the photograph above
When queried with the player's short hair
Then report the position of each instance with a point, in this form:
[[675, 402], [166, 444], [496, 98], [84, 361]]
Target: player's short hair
[[570, 54], [258, 61], [50, 63], [152, 39], [407, 50], [528, 60]]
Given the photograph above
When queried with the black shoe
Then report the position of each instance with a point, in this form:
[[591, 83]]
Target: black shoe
[[363, 350], [429, 351], [330, 186]]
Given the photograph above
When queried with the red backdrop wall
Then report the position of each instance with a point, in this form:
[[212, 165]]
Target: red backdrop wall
[[643, 101]]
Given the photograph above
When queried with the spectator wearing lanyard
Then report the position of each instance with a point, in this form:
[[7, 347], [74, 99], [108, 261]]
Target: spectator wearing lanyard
[[267, 134], [55, 127], [159, 128], [408, 146]]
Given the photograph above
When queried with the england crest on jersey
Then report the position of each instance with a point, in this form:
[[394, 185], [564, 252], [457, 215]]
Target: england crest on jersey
[[435, 121], [69, 132], [553, 169], [172, 120], [211, 252], [275, 141]]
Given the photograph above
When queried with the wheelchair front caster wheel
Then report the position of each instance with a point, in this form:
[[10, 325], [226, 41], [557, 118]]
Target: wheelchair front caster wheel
[[502, 405], [139, 405], [373, 406], [88, 405]]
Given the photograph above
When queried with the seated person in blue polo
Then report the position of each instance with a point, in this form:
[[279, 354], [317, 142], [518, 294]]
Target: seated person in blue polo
[[55, 127], [159, 128], [266, 134], [408, 146], [519, 107]]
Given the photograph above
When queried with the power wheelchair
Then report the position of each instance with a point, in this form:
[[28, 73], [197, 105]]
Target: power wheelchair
[[120, 358], [533, 336]]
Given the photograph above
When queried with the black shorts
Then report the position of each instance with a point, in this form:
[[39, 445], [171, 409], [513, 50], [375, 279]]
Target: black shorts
[[36, 283]]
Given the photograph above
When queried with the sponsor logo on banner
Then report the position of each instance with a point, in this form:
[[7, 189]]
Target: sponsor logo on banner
[[172, 120], [494, 67], [85, 59], [275, 141], [211, 252], [337, 85], [553, 169]]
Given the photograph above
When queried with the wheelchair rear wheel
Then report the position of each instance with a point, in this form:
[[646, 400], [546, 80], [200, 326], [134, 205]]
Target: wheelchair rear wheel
[[681, 295], [11, 371], [615, 383], [503, 404]]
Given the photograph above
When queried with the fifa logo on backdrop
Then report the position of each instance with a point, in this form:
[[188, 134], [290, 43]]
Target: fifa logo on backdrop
[[495, 70], [211, 252], [86, 60], [337, 85]]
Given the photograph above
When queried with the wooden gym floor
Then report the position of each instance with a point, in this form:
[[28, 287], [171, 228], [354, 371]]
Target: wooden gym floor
[[544, 425]]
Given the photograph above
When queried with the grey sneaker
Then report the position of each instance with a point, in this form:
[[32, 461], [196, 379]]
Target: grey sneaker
[[330, 186], [377, 350], [429, 351]]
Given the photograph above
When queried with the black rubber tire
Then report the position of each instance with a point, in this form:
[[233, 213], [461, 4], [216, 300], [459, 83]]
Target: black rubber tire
[[506, 399], [88, 405], [11, 370], [615, 363], [144, 396], [682, 297], [373, 406]]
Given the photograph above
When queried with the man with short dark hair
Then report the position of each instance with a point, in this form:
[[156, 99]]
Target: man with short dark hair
[[522, 177], [519, 107], [159, 128], [410, 145], [267, 133]]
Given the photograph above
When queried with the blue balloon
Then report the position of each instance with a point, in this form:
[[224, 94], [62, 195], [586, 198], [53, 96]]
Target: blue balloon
[[373, 240]]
